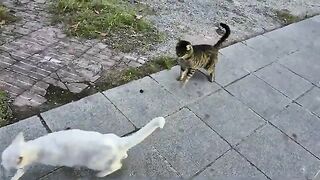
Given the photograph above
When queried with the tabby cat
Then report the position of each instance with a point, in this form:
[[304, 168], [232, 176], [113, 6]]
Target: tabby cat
[[194, 57]]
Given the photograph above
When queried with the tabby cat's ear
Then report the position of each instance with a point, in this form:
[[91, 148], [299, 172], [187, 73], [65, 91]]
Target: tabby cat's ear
[[179, 39], [189, 47]]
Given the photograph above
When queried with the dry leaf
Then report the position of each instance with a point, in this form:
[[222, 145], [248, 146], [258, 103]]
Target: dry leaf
[[75, 26], [103, 34], [2, 22], [138, 16], [97, 12]]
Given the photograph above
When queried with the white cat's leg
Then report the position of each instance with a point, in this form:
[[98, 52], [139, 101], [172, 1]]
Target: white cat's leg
[[116, 166], [124, 156], [18, 174]]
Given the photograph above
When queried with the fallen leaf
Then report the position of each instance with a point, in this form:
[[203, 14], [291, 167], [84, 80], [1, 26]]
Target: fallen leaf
[[138, 16], [97, 12], [103, 34], [75, 26]]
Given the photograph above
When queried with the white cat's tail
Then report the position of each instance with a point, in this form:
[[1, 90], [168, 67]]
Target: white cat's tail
[[144, 132]]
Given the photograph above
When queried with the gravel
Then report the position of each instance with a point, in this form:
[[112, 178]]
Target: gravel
[[197, 20]]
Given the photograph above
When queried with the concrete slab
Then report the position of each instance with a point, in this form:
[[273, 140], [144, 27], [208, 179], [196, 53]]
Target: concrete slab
[[267, 47], [197, 87], [284, 80], [32, 128], [316, 18], [229, 178], [143, 161], [227, 71], [188, 144], [93, 113], [259, 96], [311, 100], [305, 63], [227, 116], [143, 100], [245, 57], [232, 164], [301, 125], [289, 37], [277, 156]]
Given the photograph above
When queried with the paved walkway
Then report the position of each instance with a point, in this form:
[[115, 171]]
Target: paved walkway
[[260, 120], [34, 54]]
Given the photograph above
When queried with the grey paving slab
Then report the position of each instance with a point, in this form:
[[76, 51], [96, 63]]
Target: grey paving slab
[[289, 37], [245, 57], [143, 161], [143, 100], [32, 128], [305, 63], [278, 156], [94, 113], [197, 87], [227, 71], [301, 125], [284, 80], [227, 116], [259, 96], [188, 144], [316, 18], [229, 178], [232, 164], [311, 100], [267, 47]]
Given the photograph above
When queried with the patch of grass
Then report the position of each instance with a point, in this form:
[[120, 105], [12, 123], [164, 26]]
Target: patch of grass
[[5, 111], [115, 21], [285, 16], [6, 16], [122, 77]]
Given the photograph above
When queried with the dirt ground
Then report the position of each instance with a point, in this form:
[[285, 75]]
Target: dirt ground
[[197, 21]]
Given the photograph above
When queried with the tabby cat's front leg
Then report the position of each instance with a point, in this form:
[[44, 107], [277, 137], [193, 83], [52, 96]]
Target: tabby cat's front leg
[[189, 74], [183, 72]]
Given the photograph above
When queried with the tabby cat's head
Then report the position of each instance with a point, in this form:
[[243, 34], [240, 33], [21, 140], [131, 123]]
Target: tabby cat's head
[[184, 49]]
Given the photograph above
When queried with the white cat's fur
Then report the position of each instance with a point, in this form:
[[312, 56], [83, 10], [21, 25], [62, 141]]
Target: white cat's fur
[[75, 148]]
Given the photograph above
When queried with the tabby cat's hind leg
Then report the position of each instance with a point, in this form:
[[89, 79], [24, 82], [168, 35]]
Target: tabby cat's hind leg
[[212, 75]]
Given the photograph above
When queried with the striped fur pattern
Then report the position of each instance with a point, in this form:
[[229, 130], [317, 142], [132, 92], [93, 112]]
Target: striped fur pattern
[[194, 57]]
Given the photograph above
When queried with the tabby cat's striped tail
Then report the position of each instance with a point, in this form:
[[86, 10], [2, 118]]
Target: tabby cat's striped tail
[[224, 37]]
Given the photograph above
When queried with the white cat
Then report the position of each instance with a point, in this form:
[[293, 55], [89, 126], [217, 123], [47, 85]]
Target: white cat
[[74, 148]]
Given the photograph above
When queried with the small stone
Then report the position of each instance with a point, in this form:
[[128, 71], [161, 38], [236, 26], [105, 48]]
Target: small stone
[[141, 61], [130, 58], [294, 136], [76, 87], [22, 30], [134, 64], [46, 58]]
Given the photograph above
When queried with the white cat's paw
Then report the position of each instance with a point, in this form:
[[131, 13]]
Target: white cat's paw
[[125, 156]]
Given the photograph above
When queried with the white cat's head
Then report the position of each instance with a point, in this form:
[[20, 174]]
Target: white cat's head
[[12, 157]]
